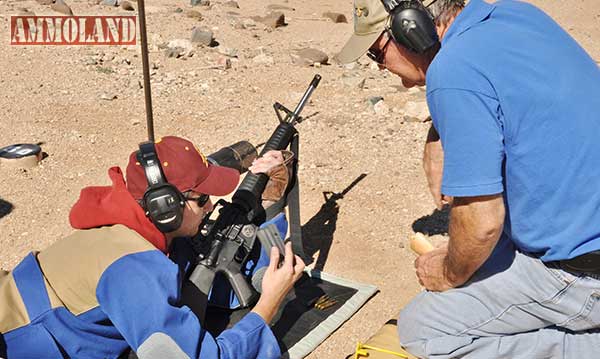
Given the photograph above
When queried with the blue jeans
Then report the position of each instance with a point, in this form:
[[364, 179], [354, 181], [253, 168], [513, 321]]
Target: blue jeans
[[515, 306]]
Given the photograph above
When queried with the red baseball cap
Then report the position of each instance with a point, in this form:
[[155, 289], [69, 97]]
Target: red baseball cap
[[185, 167]]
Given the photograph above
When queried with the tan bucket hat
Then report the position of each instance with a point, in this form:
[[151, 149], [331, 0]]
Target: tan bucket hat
[[370, 19]]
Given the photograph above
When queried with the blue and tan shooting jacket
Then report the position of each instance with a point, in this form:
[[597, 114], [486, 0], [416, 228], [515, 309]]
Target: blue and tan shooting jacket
[[102, 290]]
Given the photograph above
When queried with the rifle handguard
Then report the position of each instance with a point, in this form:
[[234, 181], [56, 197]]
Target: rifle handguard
[[254, 185]]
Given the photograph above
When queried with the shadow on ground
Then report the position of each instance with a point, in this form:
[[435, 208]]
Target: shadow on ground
[[435, 223], [317, 233], [5, 208]]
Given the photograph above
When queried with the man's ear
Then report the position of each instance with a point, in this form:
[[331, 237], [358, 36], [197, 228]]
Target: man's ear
[[443, 24]]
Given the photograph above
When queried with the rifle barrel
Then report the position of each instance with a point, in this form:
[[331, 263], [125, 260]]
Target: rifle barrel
[[313, 85]]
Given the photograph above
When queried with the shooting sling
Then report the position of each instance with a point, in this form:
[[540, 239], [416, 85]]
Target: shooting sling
[[292, 200]]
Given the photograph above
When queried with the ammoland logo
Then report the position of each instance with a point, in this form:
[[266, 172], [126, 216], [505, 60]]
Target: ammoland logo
[[73, 30]]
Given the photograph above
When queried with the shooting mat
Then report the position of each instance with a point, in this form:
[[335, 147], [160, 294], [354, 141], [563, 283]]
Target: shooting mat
[[299, 326]]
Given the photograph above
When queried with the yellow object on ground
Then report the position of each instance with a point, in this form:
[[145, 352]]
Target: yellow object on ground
[[420, 244], [383, 345]]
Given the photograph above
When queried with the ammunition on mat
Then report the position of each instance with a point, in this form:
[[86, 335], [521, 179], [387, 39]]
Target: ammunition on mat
[[315, 301], [326, 304]]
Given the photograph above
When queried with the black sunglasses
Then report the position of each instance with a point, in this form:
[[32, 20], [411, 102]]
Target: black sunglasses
[[200, 200], [378, 55]]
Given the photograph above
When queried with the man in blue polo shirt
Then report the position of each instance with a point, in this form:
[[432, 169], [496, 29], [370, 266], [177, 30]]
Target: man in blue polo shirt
[[516, 103]]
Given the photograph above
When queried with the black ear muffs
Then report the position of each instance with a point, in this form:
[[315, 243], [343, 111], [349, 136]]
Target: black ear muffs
[[411, 24], [163, 202]]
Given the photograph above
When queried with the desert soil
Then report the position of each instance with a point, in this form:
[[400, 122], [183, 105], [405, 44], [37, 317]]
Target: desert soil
[[86, 105]]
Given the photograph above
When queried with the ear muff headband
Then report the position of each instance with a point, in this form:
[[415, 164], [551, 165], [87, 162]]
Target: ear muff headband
[[411, 24], [162, 201]]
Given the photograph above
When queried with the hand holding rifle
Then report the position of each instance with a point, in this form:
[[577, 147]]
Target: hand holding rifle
[[277, 281]]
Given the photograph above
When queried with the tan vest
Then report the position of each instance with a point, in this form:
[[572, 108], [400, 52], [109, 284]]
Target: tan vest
[[72, 268]]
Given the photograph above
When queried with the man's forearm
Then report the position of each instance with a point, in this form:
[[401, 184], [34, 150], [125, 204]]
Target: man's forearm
[[475, 227]]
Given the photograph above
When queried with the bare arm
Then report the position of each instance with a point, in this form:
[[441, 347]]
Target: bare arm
[[475, 227], [433, 164]]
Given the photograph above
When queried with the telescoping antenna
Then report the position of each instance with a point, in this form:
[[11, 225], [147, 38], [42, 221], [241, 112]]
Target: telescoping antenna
[[146, 70]]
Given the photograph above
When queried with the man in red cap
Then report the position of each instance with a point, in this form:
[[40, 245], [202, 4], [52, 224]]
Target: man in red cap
[[115, 284]]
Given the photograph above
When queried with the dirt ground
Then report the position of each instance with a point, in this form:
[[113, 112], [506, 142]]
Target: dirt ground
[[86, 105]]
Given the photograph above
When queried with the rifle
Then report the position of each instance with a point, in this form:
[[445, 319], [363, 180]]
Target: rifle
[[232, 236]]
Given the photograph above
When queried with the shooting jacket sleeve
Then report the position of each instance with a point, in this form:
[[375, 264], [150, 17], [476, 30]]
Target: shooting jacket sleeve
[[279, 178], [140, 293]]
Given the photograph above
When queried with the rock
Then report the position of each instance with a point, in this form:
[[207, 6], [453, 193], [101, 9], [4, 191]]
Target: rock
[[354, 81], [135, 122], [350, 66], [249, 23], [263, 59], [280, 7], [251, 53], [224, 62], [381, 108], [108, 97], [273, 19], [336, 17], [410, 119], [112, 3], [126, 5], [175, 52], [416, 109], [202, 37], [227, 51], [105, 70], [179, 47], [90, 61], [308, 57], [232, 4], [25, 12], [374, 99], [200, 2], [45, 2], [194, 14], [61, 7], [178, 10]]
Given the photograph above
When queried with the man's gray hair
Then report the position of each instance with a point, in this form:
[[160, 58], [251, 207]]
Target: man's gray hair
[[444, 10]]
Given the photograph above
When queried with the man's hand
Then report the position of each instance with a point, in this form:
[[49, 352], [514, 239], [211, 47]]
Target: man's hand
[[275, 165], [267, 162], [476, 224], [433, 164], [431, 270], [277, 281]]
